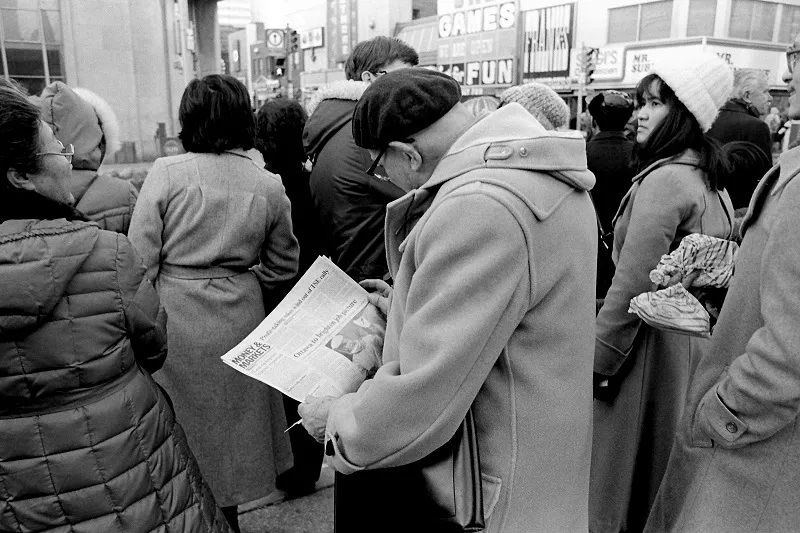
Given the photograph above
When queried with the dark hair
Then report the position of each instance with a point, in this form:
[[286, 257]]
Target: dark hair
[[279, 134], [19, 133], [746, 163], [215, 115], [678, 132], [611, 110], [370, 56]]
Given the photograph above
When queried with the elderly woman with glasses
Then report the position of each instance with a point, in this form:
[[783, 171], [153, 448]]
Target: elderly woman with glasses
[[88, 441]]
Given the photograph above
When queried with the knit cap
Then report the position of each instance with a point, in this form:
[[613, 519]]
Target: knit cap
[[541, 101], [702, 82]]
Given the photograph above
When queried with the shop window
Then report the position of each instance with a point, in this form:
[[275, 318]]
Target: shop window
[[31, 39], [701, 17], [640, 22], [790, 24], [753, 20], [21, 25]]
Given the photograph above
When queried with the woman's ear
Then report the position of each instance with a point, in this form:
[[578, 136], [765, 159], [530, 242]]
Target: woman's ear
[[19, 180]]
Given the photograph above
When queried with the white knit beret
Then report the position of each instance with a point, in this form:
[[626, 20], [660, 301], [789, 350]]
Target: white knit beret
[[541, 101], [702, 82]]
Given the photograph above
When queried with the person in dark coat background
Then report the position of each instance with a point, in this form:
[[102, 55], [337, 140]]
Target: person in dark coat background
[[279, 138], [739, 120], [608, 156], [747, 163], [88, 441], [351, 205]]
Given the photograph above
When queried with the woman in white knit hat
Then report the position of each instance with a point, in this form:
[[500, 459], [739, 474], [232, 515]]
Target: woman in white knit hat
[[641, 373]]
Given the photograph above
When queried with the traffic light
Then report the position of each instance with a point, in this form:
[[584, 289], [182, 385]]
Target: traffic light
[[294, 41], [280, 67], [589, 63]]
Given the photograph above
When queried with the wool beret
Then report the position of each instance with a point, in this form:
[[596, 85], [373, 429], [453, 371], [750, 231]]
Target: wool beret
[[401, 103]]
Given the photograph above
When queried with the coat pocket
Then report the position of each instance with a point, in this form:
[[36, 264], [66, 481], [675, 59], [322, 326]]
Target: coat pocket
[[490, 487]]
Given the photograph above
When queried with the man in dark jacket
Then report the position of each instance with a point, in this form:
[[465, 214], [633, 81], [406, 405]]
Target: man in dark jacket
[[608, 156], [739, 120], [350, 204]]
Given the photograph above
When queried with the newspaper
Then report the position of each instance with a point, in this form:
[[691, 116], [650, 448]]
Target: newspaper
[[311, 344]]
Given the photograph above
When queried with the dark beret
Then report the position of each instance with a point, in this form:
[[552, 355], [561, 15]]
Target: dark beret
[[401, 103]]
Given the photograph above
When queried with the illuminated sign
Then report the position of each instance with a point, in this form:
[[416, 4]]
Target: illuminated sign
[[547, 42]]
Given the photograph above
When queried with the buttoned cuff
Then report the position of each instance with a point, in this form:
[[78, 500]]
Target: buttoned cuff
[[335, 457], [718, 422]]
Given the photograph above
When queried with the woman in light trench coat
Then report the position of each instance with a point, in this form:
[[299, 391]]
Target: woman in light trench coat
[[214, 229], [641, 373]]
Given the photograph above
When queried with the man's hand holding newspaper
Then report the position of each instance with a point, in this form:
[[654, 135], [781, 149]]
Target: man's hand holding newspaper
[[322, 340]]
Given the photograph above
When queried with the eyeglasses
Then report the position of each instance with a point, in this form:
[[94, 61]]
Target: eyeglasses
[[380, 73], [791, 60], [377, 161], [66, 151]]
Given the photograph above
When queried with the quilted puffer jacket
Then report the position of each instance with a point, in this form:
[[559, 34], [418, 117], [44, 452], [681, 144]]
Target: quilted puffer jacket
[[88, 442]]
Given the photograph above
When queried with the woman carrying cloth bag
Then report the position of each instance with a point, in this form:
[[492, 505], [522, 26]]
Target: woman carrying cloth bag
[[641, 373]]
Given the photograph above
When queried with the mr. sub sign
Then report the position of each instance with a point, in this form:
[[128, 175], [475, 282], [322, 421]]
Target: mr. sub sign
[[477, 43]]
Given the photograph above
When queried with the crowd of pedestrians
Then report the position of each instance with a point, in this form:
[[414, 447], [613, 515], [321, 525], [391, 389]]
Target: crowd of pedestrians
[[503, 251]]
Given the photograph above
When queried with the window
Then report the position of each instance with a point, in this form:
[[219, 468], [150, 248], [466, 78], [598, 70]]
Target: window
[[622, 24], [640, 22], [790, 24], [752, 19], [701, 17], [30, 42]]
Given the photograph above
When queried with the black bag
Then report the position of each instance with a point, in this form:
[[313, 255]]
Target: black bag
[[441, 492]]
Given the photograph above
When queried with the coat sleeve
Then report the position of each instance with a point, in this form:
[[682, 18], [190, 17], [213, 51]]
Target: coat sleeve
[[147, 222], [659, 207], [145, 318], [279, 255], [133, 194], [468, 294], [759, 393]]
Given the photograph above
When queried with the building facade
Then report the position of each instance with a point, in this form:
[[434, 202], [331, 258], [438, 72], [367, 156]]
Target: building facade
[[137, 54]]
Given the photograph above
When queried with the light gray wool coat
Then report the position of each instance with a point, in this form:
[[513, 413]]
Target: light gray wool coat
[[213, 231], [735, 465]]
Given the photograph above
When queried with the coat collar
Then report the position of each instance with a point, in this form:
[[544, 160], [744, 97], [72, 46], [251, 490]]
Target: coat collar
[[771, 184], [737, 105], [687, 157]]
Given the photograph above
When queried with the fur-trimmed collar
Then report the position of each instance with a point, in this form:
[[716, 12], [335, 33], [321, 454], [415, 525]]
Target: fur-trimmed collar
[[339, 90]]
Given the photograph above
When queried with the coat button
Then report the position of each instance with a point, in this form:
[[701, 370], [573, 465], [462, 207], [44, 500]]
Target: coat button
[[523, 152], [731, 427]]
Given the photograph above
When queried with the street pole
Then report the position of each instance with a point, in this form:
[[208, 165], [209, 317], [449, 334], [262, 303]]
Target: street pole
[[581, 86]]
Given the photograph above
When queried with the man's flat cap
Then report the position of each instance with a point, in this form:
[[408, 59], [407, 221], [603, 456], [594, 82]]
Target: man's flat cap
[[401, 103]]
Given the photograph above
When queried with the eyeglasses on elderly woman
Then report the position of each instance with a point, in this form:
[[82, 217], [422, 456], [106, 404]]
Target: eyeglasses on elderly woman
[[66, 151]]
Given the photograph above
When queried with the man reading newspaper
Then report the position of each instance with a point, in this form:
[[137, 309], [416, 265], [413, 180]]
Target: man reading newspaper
[[492, 251]]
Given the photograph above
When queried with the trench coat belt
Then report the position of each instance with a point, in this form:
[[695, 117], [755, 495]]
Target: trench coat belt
[[66, 400], [209, 272]]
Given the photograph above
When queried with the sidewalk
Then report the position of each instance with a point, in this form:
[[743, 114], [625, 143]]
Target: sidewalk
[[310, 514]]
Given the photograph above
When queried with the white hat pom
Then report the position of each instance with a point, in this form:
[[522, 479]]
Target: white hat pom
[[108, 120], [702, 82]]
